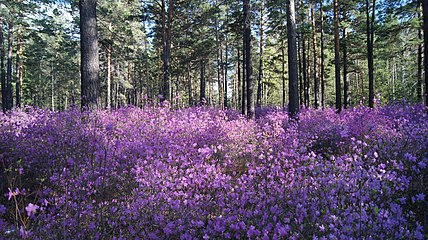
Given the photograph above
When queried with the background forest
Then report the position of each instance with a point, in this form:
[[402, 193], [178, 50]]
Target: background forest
[[203, 40]]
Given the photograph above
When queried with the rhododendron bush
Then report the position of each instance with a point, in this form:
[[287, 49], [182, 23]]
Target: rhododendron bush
[[201, 173]]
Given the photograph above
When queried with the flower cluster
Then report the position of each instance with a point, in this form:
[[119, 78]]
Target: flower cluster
[[202, 173]]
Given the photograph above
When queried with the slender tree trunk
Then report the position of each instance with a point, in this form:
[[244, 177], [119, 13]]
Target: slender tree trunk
[[166, 49], [337, 56], [293, 107], [219, 62], [189, 84], [301, 82], [240, 94], [425, 17], [308, 74], [322, 56], [345, 71], [18, 69], [419, 84], [260, 77], [370, 38], [108, 98], [283, 72], [9, 95], [202, 96], [225, 71], [248, 60], [315, 49], [304, 70], [90, 86], [52, 87], [2, 66], [244, 81]]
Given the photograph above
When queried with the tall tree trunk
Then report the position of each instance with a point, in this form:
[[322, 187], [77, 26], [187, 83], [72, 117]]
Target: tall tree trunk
[[345, 70], [248, 60], [301, 82], [9, 95], [315, 49], [244, 80], [166, 47], [283, 71], [202, 91], [322, 56], [308, 74], [370, 38], [90, 85], [293, 107], [189, 84], [425, 16], [2, 66], [304, 70], [108, 69], [260, 77], [225, 71], [337, 56], [419, 84], [219, 62], [18, 69], [52, 87], [240, 101]]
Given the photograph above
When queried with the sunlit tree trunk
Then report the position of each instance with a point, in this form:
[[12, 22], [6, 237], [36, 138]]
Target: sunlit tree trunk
[[337, 56], [322, 56], [315, 49], [370, 38], [260, 77], [293, 106], [2, 66], [9, 95], [248, 61], [90, 85], [19, 68], [345, 70], [425, 21]]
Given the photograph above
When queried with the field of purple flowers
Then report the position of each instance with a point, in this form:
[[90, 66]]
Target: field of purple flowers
[[200, 173]]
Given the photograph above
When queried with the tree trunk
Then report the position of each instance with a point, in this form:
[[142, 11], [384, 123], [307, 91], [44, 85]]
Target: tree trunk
[[52, 87], [18, 69], [283, 71], [425, 16], [293, 107], [301, 82], [2, 66], [337, 56], [219, 62], [189, 84], [9, 95], [248, 61], [202, 91], [225, 72], [240, 94], [345, 71], [90, 85], [304, 70], [108, 98], [419, 84], [244, 83], [315, 49], [322, 56], [370, 38], [260, 77]]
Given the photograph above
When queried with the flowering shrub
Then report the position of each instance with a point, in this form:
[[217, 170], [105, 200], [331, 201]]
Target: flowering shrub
[[200, 173]]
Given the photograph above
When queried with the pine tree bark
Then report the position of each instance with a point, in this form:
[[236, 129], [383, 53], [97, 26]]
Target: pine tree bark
[[219, 63], [225, 75], [304, 70], [322, 56], [244, 81], [293, 106], [425, 21], [202, 90], [283, 71], [337, 57], [9, 95], [2, 66], [19, 68], [370, 38], [248, 60], [345, 70], [419, 83], [260, 77], [108, 97], [90, 85], [315, 49]]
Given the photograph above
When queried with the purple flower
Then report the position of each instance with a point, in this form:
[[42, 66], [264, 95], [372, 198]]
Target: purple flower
[[31, 209]]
